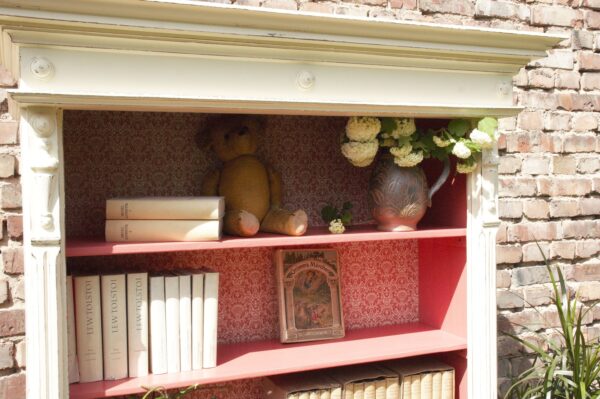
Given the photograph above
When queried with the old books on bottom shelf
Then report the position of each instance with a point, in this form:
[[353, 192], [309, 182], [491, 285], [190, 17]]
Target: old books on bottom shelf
[[414, 378], [126, 325]]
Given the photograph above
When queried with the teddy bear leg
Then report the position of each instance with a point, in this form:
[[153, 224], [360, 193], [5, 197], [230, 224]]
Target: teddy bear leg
[[285, 222], [240, 223]]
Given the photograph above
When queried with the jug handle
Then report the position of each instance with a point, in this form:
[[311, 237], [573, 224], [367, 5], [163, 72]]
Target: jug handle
[[440, 181]]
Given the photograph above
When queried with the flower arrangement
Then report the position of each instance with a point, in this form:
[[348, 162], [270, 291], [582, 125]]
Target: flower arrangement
[[409, 146], [337, 219]]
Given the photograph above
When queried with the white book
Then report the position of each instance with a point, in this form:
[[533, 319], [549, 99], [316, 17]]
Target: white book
[[185, 322], [88, 324], [172, 309], [211, 313], [158, 326], [162, 230], [73, 367], [427, 385], [137, 323], [114, 326], [197, 320], [170, 208]]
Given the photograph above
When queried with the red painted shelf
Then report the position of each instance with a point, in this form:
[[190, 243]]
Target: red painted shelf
[[259, 359], [318, 235]]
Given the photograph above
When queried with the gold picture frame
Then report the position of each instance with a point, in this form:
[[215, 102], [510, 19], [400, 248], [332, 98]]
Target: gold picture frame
[[310, 306]]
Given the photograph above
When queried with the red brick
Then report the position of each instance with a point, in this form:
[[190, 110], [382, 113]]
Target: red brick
[[507, 124], [322, 8], [10, 195], [520, 79], [560, 185], [567, 80], [584, 122], [281, 4], [9, 131], [592, 19], [530, 120], [542, 78], [587, 248], [536, 252], [12, 322], [590, 81], [502, 9], [6, 78], [14, 226], [589, 61], [590, 206], [556, 16], [534, 231], [564, 165], [535, 165], [516, 186], [538, 100], [536, 209], [461, 7], [559, 59], [589, 291], [502, 278], [581, 39], [589, 271], [562, 249], [506, 299], [13, 386], [508, 254], [579, 143], [6, 355], [404, 4], [12, 260], [509, 164], [3, 291], [563, 208], [578, 102], [510, 208], [580, 229], [557, 121], [588, 164], [595, 4], [7, 165], [501, 234]]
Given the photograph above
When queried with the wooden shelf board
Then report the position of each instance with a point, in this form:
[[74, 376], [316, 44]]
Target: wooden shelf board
[[315, 236], [264, 358]]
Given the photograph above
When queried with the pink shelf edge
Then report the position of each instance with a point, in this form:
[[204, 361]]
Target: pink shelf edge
[[264, 358], [319, 235]]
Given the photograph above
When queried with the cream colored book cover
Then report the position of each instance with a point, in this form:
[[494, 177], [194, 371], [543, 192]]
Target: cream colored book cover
[[437, 385], [211, 313], [114, 326], [314, 394], [426, 386], [448, 384], [197, 320], [172, 318], [359, 390], [380, 389], [369, 392], [137, 324], [349, 391], [158, 326], [415, 386], [185, 322], [392, 388], [166, 208], [406, 387], [88, 322], [324, 394], [336, 393], [162, 230], [73, 367]]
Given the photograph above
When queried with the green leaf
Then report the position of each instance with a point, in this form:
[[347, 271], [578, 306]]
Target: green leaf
[[459, 127], [329, 213], [488, 125], [347, 206], [346, 218], [388, 125]]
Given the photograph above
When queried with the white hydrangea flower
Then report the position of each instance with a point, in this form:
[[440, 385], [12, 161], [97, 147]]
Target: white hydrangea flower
[[404, 127], [362, 128], [336, 226], [401, 151], [465, 167], [481, 138], [360, 154], [440, 142], [410, 160], [461, 150]]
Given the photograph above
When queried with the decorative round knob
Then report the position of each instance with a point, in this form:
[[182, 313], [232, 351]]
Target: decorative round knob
[[42, 68], [42, 123], [305, 80]]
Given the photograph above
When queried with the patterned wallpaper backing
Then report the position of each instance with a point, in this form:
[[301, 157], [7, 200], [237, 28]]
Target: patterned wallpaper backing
[[117, 154]]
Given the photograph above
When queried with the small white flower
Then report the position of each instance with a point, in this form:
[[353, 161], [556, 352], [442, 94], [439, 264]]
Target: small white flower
[[360, 154], [401, 151], [410, 160], [465, 167], [481, 138], [404, 127], [336, 226], [461, 150], [362, 128], [440, 142]]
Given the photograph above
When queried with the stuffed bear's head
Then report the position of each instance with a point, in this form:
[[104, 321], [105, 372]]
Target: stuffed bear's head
[[233, 135]]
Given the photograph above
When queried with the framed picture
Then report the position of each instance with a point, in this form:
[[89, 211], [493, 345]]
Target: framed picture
[[308, 283]]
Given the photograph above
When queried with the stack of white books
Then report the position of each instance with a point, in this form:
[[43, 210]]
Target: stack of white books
[[164, 219], [129, 325]]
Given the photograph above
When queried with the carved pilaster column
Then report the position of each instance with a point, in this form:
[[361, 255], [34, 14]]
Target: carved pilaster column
[[482, 226], [45, 270]]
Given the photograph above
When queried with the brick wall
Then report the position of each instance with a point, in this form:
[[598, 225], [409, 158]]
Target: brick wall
[[549, 170]]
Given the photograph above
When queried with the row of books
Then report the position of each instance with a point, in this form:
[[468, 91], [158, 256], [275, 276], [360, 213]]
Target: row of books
[[422, 378], [127, 325], [164, 219]]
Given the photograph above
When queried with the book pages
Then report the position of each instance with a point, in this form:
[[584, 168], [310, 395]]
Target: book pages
[[437, 385], [426, 386], [380, 388], [448, 384], [359, 390], [415, 386], [392, 388]]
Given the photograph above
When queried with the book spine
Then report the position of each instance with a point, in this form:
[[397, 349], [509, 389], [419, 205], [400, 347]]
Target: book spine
[[359, 390], [162, 230], [158, 327], [415, 386], [380, 388], [172, 309], [349, 391], [303, 395], [426, 385], [336, 393], [88, 322], [325, 394], [197, 320], [137, 323], [114, 326], [448, 384], [436, 385], [293, 396], [392, 388], [185, 322], [313, 395], [73, 367], [206, 208], [369, 390], [211, 313], [406, 381]]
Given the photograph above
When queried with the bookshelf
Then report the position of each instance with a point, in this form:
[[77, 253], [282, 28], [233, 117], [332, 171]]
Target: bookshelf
[[108, 61]]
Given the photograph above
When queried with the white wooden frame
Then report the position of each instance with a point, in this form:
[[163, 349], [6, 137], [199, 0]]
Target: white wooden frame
[[94, 55]]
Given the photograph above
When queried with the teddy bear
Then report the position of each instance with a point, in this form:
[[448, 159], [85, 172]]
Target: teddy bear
[[252, 190]]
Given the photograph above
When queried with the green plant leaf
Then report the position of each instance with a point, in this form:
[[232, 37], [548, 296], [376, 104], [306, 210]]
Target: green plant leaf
[[329, 213], [388, 125], [459, 127], [488, 125]]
